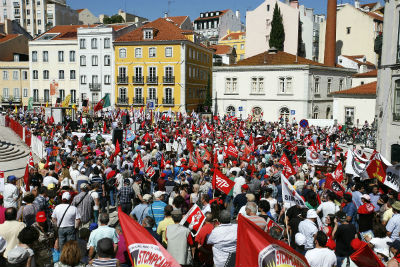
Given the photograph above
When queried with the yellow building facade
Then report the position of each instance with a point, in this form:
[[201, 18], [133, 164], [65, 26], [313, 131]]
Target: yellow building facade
[[160, 63], [236, 40], [14, 83]]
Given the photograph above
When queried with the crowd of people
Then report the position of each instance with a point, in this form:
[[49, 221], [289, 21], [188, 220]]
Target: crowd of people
[[68, 216]]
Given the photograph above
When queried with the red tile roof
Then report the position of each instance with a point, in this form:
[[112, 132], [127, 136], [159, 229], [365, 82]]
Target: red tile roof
[[178, 20], [80, 10], [118, 27], [370, 74], [375, 16], [364, 89], [233, 36], [222, 12], [279, 58], [5, 38], [221, 49], [65, 32], [164, 31], [356, 59]]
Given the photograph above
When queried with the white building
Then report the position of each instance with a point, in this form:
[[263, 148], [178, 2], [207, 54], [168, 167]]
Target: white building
[[388, 100], [54, 65], [37, 16], [223, 55], [356, 105], [215, 24], [96, 60], [358, 63], [274, 84], [364, 78], [86, 17]]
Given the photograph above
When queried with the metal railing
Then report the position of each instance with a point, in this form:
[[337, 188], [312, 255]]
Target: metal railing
[[94, 86], [168, 101], [122, 79], [138, 79], [123, 100], [138, 101], [148, 99], [168, 79], [152, 79]]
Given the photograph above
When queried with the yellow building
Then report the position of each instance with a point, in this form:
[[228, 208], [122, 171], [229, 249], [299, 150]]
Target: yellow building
[[160, 62], [14, 83], [236, 40]]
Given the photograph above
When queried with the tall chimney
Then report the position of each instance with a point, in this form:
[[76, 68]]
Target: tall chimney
[[330, 35]]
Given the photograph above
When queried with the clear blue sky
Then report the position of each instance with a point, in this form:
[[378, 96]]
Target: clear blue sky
[[153, 9]]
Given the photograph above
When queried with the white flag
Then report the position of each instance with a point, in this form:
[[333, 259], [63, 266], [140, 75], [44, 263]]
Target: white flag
[[289, 195], [314, 158], [356, 165]]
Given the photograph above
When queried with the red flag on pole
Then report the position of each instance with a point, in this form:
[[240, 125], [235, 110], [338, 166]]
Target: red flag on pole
[[194, 218], [232, 150], [221, 182], [334, 185], [189, 145], [30, 164], [338, 174], [288, 169], [138, 163], [366, 257], [150, 171], [263, 250], [59, 164], [162, 162], [143, 249], [117, 148]]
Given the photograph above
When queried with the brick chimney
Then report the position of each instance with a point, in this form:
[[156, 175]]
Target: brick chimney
[[330, 35]]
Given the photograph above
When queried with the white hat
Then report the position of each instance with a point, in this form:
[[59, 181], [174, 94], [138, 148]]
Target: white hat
[[83, 170], [66, 196], [366, 197], [312, 214], [147, 197], [168, 166], [300, 239], [158, 194], [178, 163]]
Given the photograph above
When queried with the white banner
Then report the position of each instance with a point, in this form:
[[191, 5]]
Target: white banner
[[356, 165], [314, 158], [38, 147], [289, 195]]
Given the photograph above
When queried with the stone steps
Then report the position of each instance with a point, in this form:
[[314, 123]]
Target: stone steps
[[10, 151]]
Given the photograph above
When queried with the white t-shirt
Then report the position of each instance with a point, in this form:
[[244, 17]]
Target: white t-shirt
[[321, 257], [380, 245], [71, 215], [327, 207], [272, 204], [237, 188], [94, 195], [10, 196], [49, 180]]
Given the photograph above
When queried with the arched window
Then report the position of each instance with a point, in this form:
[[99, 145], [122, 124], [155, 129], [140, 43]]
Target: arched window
[[231, 111], [122, 53], [315, 112], [328, 112]]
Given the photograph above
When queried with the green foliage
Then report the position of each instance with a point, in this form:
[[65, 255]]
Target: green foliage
[[277, 35], [208, 100], [113, 19]]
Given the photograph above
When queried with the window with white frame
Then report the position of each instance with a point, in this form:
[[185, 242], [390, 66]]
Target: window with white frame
[[396, 104], [73, 95], [285, 85], [24, 75], [34, 56], [35, 75], [46, 94], [35, 95], [5, 75], [107, 79], [107, 43], [152, 93], [349, 115], [152, 72], [260, 85], [83, 60], [16, 93], [72, 74], [62, 94], [148, 34], [94, 43], [138, 93], [138, 52], [25, 92], [168, 93], [45, 56], [234, 85], [122, 53], [315, 112], [138, 72], [329, 85], [122, 72], [5, 92], [60, 56], [82, 43], [169, 71], [254, 85], [168, 52], [61, 74], [83, 79], [107, 60], [316, 85], [15, 75], [228, 85], [95, 60], [122, 93], [95, 79], [152, 52], [71, 56], [46, 75]]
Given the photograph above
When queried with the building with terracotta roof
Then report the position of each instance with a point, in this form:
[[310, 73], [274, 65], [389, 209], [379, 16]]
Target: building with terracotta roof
[[357, 62], [86, 17], [162, 64], [356, 105], [356, 31], [236, 40], [274, 84], [364, 78], [183, 22], [37, 16], [388, 100], [213, 25], [223, 55]]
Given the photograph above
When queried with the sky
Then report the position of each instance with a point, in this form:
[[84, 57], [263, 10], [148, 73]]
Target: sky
[[153, 9]]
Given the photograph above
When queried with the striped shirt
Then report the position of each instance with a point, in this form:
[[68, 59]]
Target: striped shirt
[[104, 263], [259, 221], [156, 210]]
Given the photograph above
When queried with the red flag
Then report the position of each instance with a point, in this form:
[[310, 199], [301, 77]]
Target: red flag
[[263, 250], [338, 174], [298, 164], [147, 137], [241, 134], [81, 121], [366, 257], [46, 166], [200, 163], [205, 155], [143, 248], [30, 164], [251, 140], [138, 163], [273, 147], [150, 171], [189, 145], [105, 127], [192, 160], [334, 185], [162, 162], [194, 218], [288, 169], [377, 169], [221, 182], [260, 140], [117, 148], [59, 164], [232, 150]]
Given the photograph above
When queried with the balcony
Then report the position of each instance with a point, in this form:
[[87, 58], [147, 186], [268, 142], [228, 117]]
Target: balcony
[[11, 99], [41, 101], [122, 80], [49, 16], [168, 101], [95, 87], [169, 79], [138, 79], [123, 101], [152, 80], [138, 101], [152, 99], [16, 4]]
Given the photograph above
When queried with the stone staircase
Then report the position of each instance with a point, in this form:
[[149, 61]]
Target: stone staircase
[[10, 151]]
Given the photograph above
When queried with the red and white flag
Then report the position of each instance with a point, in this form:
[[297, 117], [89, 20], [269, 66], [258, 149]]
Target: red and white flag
[[143, 249], [338, 173], [194, 219], [221, 182], [289, 195], [138, 163], [232, 150], [150, 171], [288, 169]]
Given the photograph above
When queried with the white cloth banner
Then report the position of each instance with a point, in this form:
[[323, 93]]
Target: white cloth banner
[[38, 147], [314, 158], [289, 195], [355, 165]]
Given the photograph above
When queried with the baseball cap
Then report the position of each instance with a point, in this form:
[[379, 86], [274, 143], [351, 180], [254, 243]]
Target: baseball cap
[[366, 197], [83, 185], [158, 194], [66, 196], [147, 197], [41, 217], [83, 170], [93, 226], [245, 187], [11, 178]]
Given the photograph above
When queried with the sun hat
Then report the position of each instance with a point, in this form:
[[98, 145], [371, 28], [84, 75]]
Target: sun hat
[[41, 217], [312, 214]]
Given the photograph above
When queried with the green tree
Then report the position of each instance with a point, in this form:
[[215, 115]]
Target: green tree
[[277, 35], [113, 19]]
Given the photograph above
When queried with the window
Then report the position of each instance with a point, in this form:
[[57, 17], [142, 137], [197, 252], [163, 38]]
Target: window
[[231, 111], [268, 8], [83, 60], [16, 93], [122, 53], [316, 85], [5, 92], [15, 75], [329, 88], [62, 94], [168, 52], [46, 95], [396, 106], [148, 34], [95, 60], [138, 72], [260, 85], [95, 79], [234, 85], [72, 74], [5, 75], [138, 93], [28, 21], [73, 96], [340, 84], [289, 84], [282, 87], [82, 43], [122, 93], [152, 72], [39, 22], [24, 75], [61, 74], [242, 46], [152, 93], [35, 75], [349, 115], [168, 93], [228, 85], [152, 52], [83, 79], [46, 75], [25, 92], [122, 72], [138, 52], [253, 85], [285, 85], [60, 56], [107, 42], [71, 56], [107, 60], [36, 95], [315, 112], [34, 56], [348, 30], [107, 79], [28, 11], [94, 43], [169, 72], [45, 56]]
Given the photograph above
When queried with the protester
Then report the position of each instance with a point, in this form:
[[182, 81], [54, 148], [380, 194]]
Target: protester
[[309, 228], [10, 229], [105, 252], [104, 231], [321, 256], [70, 255]]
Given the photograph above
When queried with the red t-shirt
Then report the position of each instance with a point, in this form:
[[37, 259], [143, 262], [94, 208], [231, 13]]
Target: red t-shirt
[[201, 239]]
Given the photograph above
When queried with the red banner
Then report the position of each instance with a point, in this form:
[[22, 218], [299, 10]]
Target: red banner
[[221, 182], [288, 169], [194, 219]]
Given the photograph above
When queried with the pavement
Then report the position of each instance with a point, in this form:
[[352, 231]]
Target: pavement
[[13, 153]]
